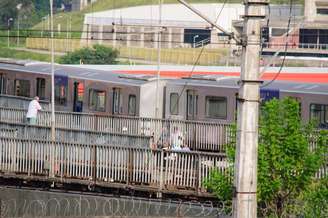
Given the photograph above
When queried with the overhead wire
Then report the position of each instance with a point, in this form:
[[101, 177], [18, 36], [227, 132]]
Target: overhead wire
[[267, 28], [38, 31], [195, 64], [217, 18], [151, 40], [286, 47]]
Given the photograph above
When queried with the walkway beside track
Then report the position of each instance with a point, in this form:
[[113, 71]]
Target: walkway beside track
[[125, 167]]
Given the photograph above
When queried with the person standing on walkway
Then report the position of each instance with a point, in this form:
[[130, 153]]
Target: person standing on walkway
[[176, 139], [32, 111]]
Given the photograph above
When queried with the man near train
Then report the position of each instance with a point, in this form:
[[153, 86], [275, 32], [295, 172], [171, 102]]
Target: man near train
[[32, 111]]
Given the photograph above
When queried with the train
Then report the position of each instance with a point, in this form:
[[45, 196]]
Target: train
[[205, 94]]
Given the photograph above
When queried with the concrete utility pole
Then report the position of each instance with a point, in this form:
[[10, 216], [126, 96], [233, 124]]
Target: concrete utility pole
[[53, 133], [245, 202], [159, 38]]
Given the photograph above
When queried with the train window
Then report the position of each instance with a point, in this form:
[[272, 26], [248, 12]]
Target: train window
[[117, 101], [132, 105], [3, 84], [97, 100], [174, 103], [192, 104], [61, 86], [78, 94], [22, 87], [319, 112], [216, 107], [41, 88]]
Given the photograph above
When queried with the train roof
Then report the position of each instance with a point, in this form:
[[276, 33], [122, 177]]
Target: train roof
[[232, 82], [76, 72], [296, 74], [291, 79]]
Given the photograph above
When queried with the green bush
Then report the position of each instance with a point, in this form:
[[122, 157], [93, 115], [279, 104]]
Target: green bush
[[98, 54], [316, 200], [286, 164]]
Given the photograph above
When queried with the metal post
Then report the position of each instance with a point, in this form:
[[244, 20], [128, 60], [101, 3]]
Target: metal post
[[67, 25], [245, 202], [19, 6], [52, 74], [159, 37], [18, 32], [53, 136], [8, 43], [8, 25], [70, 33], [42, 28], [194, 45]]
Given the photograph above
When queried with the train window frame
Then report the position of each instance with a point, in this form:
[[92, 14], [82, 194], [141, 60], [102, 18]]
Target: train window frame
[[217, 115], [322, 11], [192, 111], [61, 90], [3, 84], [117, 101], [174, 111], [132, 109], [41, 93], [97, 106], [323, 116], [18, 82]]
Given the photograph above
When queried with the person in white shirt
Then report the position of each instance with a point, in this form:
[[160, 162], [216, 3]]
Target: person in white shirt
[[32, 111], [176, 139]]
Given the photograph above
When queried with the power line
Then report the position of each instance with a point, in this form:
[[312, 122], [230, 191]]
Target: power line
[[272, 45], [194, 66], [217, 18], [30, 31], [286, 46]]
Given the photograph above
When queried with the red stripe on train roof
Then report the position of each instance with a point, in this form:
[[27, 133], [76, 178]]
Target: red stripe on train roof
[[295, 77]]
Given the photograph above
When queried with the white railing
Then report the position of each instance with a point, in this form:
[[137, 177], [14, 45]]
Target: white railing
[[202, 42], [112, 166], [296, 46], [109, 165], [197, 135], [72, 135], [20, 102]]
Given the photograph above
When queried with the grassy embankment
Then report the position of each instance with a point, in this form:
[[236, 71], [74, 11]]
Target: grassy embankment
[[11, 52]]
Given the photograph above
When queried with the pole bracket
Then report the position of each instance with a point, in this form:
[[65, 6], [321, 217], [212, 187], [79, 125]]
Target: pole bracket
[[250, 81], [248, 100]]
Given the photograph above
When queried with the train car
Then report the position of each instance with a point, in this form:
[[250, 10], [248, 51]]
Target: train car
[[214, 98], [206, 94], [81, 90]]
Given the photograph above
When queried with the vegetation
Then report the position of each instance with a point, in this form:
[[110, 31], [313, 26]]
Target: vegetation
[[29, 12], [286, 164], [97, 55], [316, 204], [24, 55]]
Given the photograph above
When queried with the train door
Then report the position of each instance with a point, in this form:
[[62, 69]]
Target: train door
[[192, 103], [3, 84], [117, 101], [78, 97]]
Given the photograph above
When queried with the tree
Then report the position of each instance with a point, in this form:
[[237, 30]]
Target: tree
[[97, 55], [286, 163], [8, 9]]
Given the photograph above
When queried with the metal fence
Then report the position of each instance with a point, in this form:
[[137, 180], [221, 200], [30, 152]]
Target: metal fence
[[72, 135], [20, 102], [157, 170], [197, 135]]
